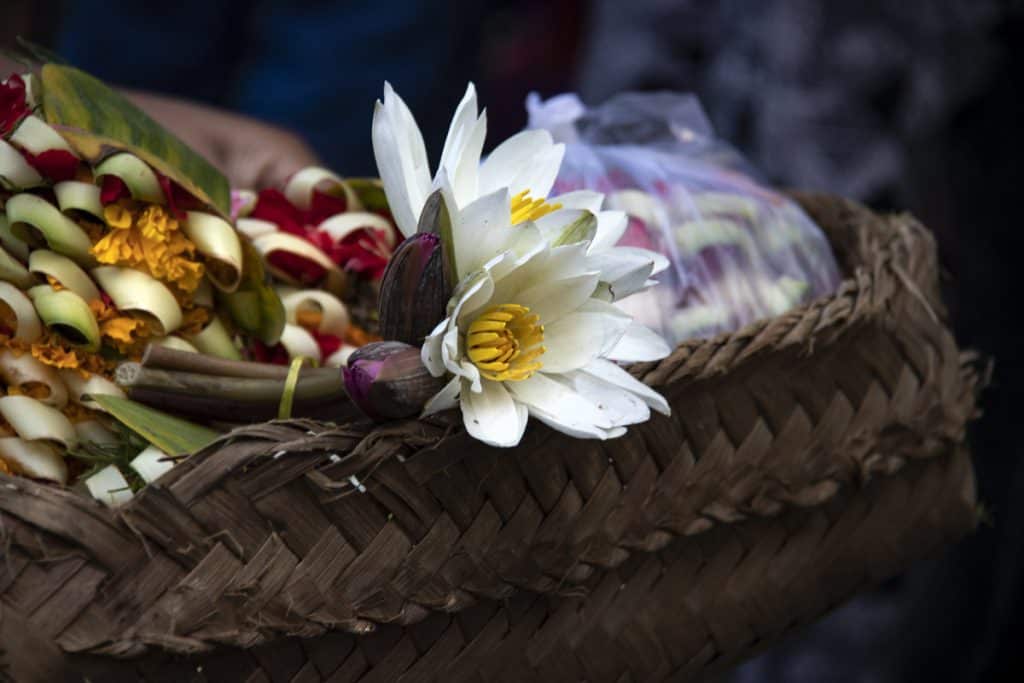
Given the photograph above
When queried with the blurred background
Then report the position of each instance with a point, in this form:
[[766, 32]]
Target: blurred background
[[911, 105]]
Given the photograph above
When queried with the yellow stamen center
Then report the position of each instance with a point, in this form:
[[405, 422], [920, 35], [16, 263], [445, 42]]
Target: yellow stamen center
[[505, 341], [526, 209]]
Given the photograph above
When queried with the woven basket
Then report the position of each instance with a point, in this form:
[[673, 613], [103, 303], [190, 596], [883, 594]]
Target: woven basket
[[808, 456]]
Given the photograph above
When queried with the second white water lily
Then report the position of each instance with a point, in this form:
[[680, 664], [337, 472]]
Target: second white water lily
[[524, 336]]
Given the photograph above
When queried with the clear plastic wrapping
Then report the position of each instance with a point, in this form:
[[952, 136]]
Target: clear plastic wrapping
[[739, 251]]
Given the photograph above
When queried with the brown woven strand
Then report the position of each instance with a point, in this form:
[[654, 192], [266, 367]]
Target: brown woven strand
[[298, 528], [685, 613]]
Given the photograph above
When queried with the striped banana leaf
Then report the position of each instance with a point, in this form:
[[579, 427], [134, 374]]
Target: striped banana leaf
[[98, 122]]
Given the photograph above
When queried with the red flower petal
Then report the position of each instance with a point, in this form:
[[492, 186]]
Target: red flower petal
[[273, 206], [300, 268], [13, 105], [327, 343], [113, 189], [261, 353], [57, 165], [323, 207], [177, 199]]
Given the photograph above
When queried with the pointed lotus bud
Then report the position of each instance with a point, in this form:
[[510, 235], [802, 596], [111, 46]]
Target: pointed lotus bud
[[387, 380], [415, 289]]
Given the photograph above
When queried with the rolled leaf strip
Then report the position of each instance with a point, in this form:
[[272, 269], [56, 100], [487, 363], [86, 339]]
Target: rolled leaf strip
[[15, 172], [81, 389], [334, 318], [11, 270], [299, 343], [214, 340], [341, 225], [23, 371], [300, 187], [136, 174], [203, 296], [218, 242], [255, 227], [36, 136], [339, 358], [65, 271], [34, 459], [33, 420], [15, 245], [133, 290], [109, 487], [175, 343], [270, 243], [151, 463], [73, 195], [27, 327], [94, 431], [60, 232], [68, 315]]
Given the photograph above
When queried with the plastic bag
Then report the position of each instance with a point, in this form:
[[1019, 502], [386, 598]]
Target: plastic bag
[[739, 251]]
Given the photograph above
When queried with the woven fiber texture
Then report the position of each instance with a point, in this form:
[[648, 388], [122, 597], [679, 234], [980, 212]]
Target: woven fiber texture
[[807, 456]]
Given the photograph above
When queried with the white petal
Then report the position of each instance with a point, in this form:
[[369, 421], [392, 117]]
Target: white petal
[[579, 339], [552, 225], [611, 226], [431, 352], [639, 344], [444, 399], [613, 374], [526, 161], [468, 167], [581, 199], [542, 262], [553, 299], [478, 292], [622, 407], [401, 159], [491, 415], [481, 230], [562, 408], [462, 148], [625, 270]]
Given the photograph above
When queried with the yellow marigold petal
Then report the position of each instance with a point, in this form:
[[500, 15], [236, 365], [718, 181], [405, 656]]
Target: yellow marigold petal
[[120, 329], [117, 216]]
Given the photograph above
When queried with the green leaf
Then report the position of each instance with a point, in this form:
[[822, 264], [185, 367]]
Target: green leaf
[[170, 434], [255, 307], [370, 192], [580, 230], [98, 122]]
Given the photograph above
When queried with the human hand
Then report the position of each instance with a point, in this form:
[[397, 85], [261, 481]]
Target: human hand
[[252, 154]]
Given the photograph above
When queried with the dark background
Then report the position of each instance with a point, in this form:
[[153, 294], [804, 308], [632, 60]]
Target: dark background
[[910, 105]]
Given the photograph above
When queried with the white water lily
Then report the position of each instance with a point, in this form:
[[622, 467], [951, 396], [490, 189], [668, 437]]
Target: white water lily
[[487, 200], [525, 337]]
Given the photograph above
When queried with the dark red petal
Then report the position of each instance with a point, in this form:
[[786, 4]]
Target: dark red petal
[[273, 206], [113, 188], [327, 343], [13, 105], [172, 195], [323, 207], [57, 165], [261, 353], [299, 267]]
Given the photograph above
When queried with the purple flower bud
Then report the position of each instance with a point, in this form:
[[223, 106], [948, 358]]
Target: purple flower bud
[[387, 380], [418, 281]]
